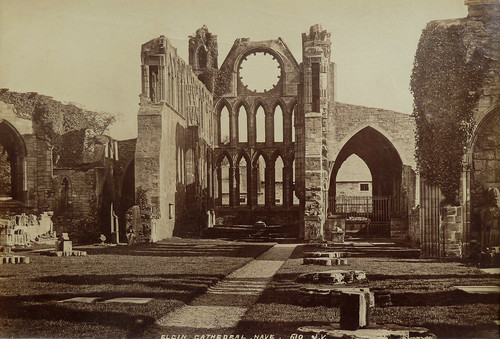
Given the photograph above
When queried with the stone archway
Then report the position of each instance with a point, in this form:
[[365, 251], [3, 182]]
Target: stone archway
[[14, 153], [485, 172], [386, 168]]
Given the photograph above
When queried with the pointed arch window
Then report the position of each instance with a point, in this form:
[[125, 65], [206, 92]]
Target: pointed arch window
[[225, 180], [243, 181], [260, 124], [278, 124], [242, 124], [294, 109], [261, 180], [278, 181], [224, 127]]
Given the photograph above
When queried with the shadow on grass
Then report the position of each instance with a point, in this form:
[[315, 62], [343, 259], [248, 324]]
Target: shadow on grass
[[374, 277], [484, 331], [444, 298], [284, 328], [174, 286], [134, 325], [185, 250]]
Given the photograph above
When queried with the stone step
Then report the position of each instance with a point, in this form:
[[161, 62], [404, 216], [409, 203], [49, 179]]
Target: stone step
[[323, 254], [15, 259], [333, 277], [310, 296], [324, 261], [66, 253]]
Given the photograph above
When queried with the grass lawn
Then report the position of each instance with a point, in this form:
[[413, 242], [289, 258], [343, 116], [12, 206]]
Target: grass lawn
[[172, 273], [422, 295]]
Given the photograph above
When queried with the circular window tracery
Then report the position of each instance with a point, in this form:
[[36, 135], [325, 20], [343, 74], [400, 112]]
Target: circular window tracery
[[259, 72]]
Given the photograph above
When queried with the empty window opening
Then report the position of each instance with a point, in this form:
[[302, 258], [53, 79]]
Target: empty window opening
[[261, 181], [278, 181], [202, 57], [315, 87], [293, 122], [153, 83], [242, 125], [260, 125], [224, 126], [225, 173], [278, 124], [259, 72], [243, 181]]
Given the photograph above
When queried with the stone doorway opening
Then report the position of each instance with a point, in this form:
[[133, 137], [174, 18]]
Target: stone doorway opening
[[380, 203]]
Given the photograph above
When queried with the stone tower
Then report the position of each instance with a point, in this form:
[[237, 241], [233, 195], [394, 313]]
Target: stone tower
[[315, 97], [203, 54]]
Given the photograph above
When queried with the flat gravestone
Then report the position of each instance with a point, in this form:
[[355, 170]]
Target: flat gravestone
[[333, 277], [129, 300], [86, 300], [490, 270], [479, 289]]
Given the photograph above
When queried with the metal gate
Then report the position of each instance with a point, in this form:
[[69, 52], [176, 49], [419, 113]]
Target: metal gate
[[369, 215]]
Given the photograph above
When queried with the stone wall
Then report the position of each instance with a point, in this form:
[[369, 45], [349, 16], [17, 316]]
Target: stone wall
[[172, 101]]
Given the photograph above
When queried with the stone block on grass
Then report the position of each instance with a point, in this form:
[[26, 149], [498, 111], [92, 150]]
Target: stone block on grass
[[353, 310]]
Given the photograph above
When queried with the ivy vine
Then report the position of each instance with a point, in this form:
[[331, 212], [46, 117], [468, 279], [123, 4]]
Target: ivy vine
[[446, 85]]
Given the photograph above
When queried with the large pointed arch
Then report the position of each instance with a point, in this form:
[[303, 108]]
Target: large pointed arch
[[14, 146], [223, 126], [386, 167]]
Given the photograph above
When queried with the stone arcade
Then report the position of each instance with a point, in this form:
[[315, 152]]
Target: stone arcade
[[209, 145]]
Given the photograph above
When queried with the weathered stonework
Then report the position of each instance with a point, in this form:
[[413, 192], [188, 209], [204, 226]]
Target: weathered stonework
[[481, 162]]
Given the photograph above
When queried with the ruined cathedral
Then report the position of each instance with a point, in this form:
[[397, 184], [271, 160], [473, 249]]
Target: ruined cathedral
[[214, 150]]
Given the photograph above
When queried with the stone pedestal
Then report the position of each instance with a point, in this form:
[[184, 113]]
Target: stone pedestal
[[64, 244]]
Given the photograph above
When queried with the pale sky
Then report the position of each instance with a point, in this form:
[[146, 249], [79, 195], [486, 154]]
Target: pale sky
[[88, 51]]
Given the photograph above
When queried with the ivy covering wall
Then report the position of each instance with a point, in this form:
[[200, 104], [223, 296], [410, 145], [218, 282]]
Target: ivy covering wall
[[56, 118], [446, 84]]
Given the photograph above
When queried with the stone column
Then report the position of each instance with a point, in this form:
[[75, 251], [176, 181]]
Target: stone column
[[314, 213], [231, 186], [269, 128], [237, 187], [233, 129], [251, 129], [252, 199], [269, 190], [219, 186], [287, 185]]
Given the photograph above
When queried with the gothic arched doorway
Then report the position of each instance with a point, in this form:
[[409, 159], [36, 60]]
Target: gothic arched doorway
[[370, 212], [12, 163]]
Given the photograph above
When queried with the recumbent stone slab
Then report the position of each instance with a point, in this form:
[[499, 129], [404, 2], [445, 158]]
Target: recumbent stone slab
[[333, 277]]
